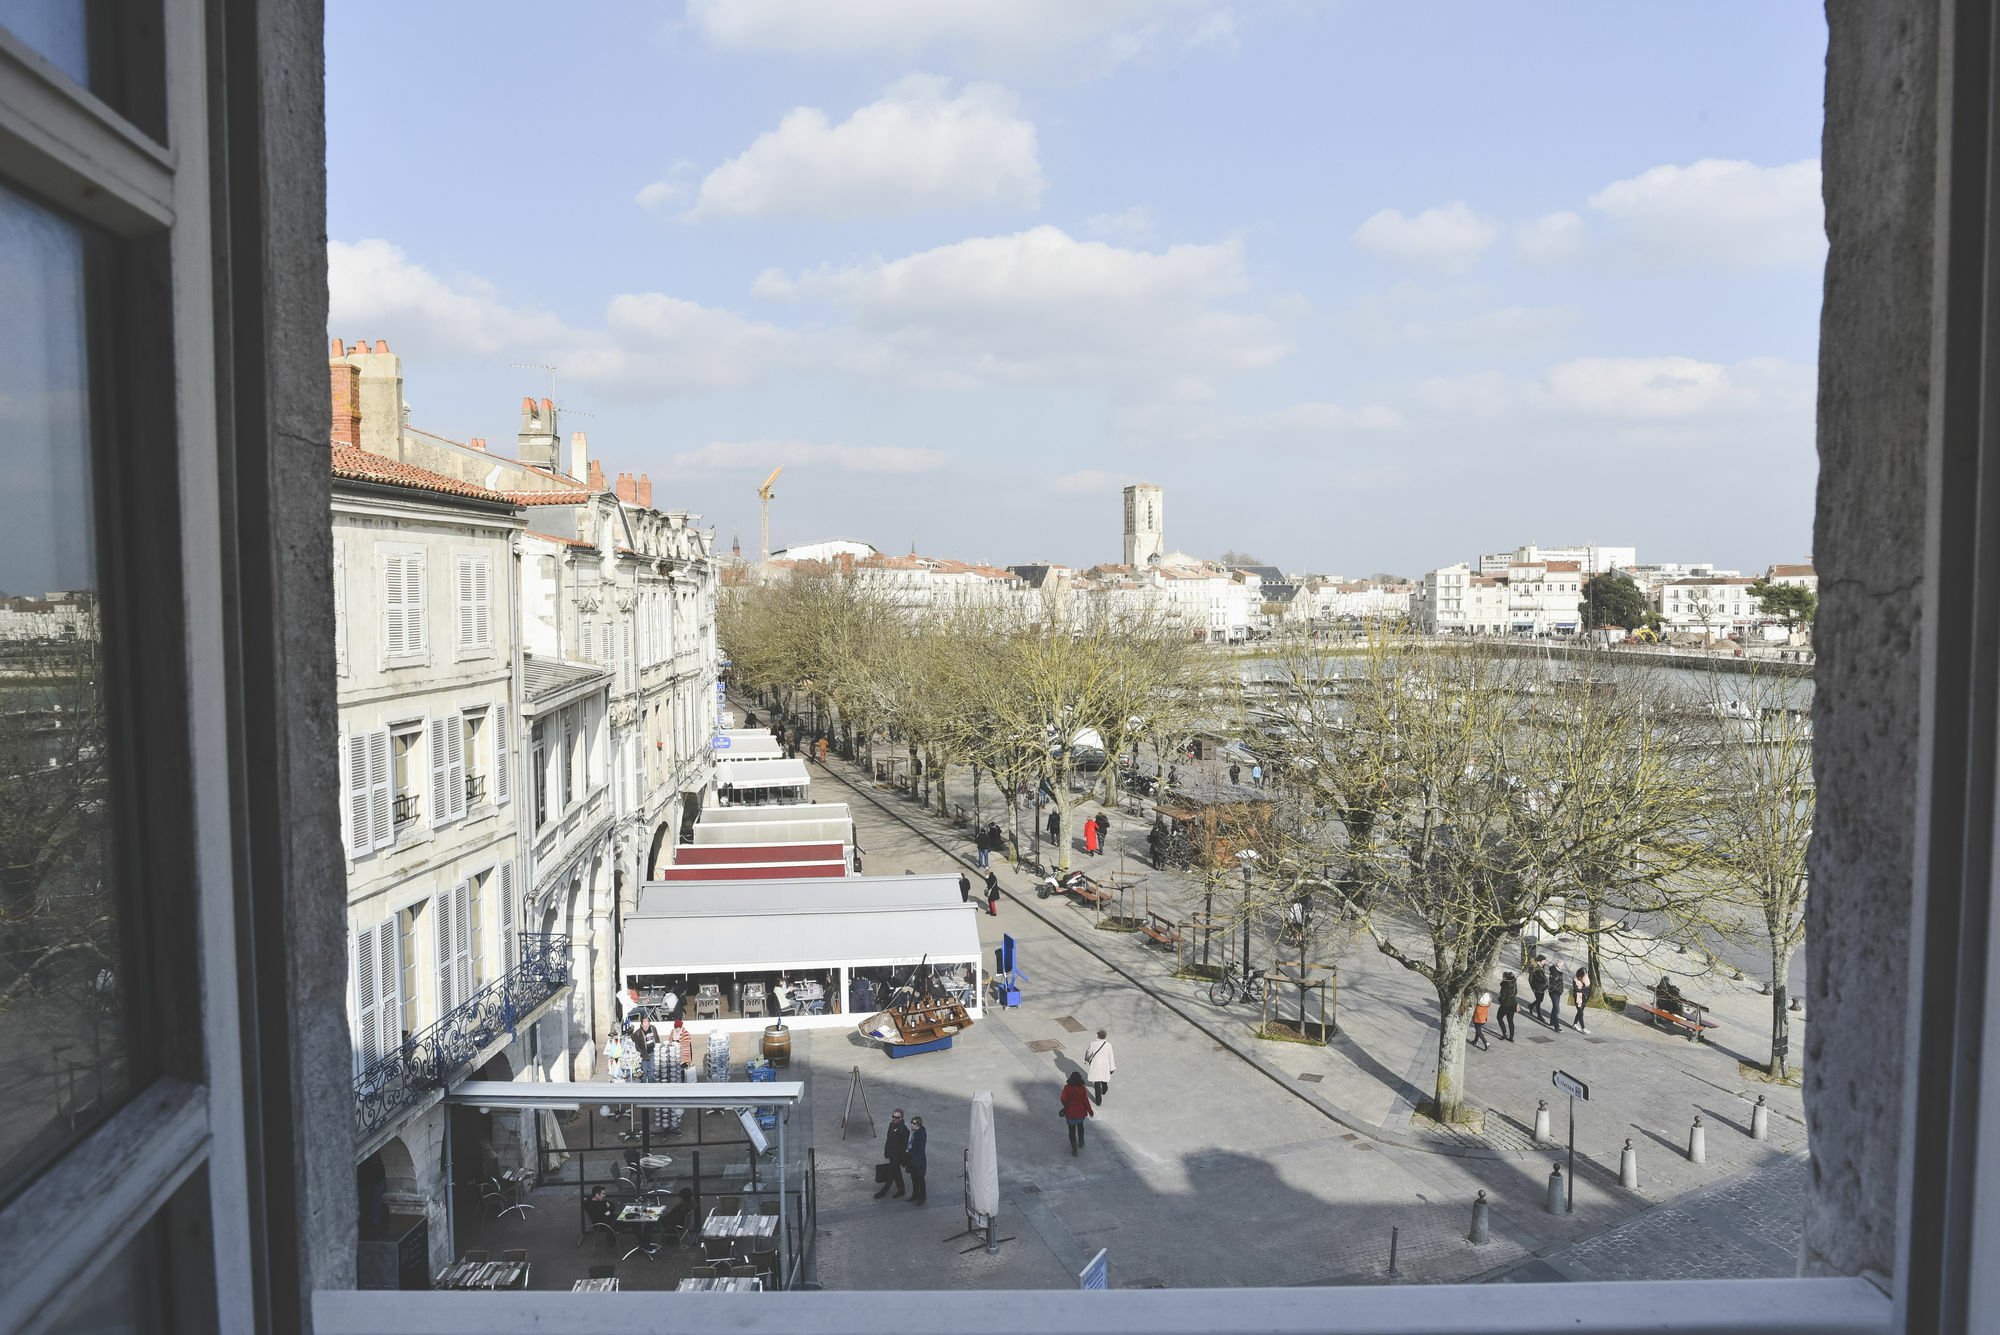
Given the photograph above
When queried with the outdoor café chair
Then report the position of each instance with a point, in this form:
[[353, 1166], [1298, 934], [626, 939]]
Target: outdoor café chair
[[474, 1256], [744, 1271], [753, 999], [705, 1272], [708, 1002]]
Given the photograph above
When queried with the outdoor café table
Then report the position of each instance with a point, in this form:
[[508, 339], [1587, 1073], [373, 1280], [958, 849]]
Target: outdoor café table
[[723, 1284], [595, 1285], [481, 1275], [644, 1216], [740, 1226]]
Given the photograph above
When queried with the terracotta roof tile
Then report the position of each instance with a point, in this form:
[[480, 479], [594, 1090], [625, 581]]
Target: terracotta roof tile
[[361, 466], [547, 497]]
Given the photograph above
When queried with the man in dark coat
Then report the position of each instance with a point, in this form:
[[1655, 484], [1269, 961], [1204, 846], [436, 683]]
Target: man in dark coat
[[1103, 831], [916, 1159], [964, 888], [1055, 826], [1538, 983], [992, 895], [895, 1148], [1510, 1001]]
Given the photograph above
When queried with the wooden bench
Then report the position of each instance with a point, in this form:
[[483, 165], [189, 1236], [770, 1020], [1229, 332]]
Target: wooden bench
[[1694, 1026], [1164, 930], [1089, 893]]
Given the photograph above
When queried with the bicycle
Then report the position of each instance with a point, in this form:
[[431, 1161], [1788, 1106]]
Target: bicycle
[[1235, 983]]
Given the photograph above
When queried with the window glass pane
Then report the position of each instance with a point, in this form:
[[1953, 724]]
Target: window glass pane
[[62, 1030], [53, 28], [122, 1298]]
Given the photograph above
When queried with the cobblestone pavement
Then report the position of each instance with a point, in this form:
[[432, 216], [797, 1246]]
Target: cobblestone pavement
[[1746, 1228], [1213, 1162]]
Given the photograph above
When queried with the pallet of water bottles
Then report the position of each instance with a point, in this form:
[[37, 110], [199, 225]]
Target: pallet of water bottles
[[761, 1072]]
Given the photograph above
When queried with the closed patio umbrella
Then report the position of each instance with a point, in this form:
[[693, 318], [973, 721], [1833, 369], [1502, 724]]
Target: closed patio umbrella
[[982, 1165]]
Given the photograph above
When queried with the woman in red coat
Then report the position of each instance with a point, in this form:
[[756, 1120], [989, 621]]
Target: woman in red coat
[[1075, 1108], [1090, 837]]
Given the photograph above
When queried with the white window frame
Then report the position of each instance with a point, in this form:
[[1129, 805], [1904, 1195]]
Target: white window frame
[[393, 584], [472, 602]]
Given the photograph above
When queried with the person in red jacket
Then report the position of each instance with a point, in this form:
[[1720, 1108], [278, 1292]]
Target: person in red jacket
[[1075, 1108]]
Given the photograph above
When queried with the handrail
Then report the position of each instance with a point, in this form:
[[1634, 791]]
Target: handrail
[[428, 1059]]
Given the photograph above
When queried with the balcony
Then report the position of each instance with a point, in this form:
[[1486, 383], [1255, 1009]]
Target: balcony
[[475, 789], [428, 1059]]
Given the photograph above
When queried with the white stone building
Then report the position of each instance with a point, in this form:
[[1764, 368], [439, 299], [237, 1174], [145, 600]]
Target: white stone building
[[1539, 597], [1715, 605], [1590, 558]]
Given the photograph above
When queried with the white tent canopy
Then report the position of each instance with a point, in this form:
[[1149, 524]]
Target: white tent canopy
[[774, 831], [696, 927], [764, 773], [747, 744], [796, 811]]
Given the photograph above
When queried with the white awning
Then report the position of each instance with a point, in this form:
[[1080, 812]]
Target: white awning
[[757, 926], [762, 774], [774, 831], [740, 745], [796, 811]]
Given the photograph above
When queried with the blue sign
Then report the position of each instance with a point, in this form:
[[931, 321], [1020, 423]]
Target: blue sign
[[721, 743], [1096, 1275]]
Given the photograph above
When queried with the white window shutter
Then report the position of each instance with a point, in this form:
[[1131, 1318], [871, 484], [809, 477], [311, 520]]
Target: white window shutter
[[468, 631], [414, 614], [583, 640], [455, 770], [506, 915], [447, 974], [461, 921], [438, 744], [395, 624], [340, 606], [482, 602], [503, 760], [367, 997], [389, 988], [381, 819]]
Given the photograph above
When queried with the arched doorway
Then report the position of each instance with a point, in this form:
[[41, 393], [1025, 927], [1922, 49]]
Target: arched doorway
[[658, 852]]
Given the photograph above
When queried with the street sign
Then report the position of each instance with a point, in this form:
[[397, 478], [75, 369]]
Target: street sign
[[1576, 1089], [1096, 1275], [1571, 1086], [721, 743]]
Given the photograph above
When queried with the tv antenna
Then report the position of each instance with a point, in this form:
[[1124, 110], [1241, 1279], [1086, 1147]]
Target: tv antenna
[[550, 371]]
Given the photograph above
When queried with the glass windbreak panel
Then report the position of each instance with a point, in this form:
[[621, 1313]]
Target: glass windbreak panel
[[56, 29], [62, 1007]]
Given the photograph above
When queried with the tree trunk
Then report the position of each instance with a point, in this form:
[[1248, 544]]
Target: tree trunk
[[975, 797], [1592, 958], [1207, 916], [1454, 1023], [1781, 1024]]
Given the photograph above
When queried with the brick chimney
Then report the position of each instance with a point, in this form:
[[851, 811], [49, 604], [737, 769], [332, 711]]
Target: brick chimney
[[346, 403], [628, 490], [597, 482], [477, 443], [645, 491]]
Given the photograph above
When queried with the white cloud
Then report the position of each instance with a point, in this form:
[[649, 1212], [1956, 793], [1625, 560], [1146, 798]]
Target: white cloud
[[651, 345], [1717, 213], [1449, 238], [1089, 482], [755, 455], [1656, 391], [1550, 239], [917, 148], [1042, 306], [670, 191], [1127, 226], [991, 32], [1407, 314]]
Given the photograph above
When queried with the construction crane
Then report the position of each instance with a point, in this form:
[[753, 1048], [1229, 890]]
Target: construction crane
[[764, 494]]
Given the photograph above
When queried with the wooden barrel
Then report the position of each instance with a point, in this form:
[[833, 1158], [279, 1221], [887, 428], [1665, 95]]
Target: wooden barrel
[[777, 1045]]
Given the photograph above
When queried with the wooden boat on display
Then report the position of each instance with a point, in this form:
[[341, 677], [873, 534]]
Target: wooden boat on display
[[908, 1030]]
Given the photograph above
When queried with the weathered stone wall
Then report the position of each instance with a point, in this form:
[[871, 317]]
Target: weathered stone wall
[[1880, 163]]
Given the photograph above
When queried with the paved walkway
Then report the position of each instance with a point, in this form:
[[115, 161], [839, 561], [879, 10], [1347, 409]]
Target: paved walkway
[[1214, 1163]]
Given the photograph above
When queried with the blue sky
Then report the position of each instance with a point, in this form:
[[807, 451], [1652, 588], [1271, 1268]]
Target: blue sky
[[1364, 287]]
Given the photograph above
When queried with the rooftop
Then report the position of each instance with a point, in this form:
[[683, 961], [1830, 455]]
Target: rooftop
[[357, 465]]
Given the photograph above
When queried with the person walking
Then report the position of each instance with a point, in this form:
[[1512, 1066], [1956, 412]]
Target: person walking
[[1103, 823], [964, 888], [992, 895], [916, 1161], [1558, 985], [1235, 773], [1579, 992], [1538, 983], [1257, 774], [989, 839], [1103, 1065], [1055, 826], [1075, 1109], [1090, 838], [1481, 1012], [895, 1148], [1510, 1001]]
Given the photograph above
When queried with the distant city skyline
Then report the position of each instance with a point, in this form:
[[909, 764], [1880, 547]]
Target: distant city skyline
[[965, 278]]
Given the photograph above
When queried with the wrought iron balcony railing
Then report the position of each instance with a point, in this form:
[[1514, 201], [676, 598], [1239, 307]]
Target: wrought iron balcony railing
[[428, 1059]]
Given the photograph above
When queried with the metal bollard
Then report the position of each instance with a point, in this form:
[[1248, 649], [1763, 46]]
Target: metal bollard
[[1556, 1189], [1628, 1166], [1480, 1232], [1394, 1233], [1697, 1143], [1541, 1121], [1760, 1120]]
